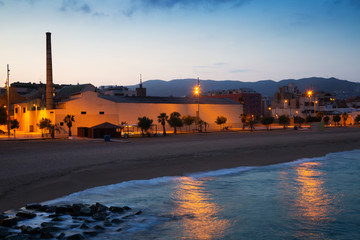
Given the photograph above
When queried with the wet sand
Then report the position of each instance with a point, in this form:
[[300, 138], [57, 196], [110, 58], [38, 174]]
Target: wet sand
[[40, 170]]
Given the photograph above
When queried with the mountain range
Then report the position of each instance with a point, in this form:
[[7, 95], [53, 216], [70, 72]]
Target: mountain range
[[184, 87]]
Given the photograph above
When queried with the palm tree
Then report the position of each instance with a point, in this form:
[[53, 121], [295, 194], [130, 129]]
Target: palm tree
[[243, 120], [162, 118], [336, 119], [175, 121], [201, 123], [14, 124], [188, 120], [122, 126], [69, 119], [144, 124], [344, 116]]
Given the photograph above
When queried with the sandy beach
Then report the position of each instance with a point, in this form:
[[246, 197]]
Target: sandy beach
[[40, 170]]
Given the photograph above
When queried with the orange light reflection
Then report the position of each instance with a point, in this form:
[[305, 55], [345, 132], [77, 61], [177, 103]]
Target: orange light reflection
[[313, 202], [200, 215]]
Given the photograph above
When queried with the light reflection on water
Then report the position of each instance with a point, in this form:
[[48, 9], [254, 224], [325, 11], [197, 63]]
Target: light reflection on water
[[202, 219], [313, 201], [313, 207], [302, 200]]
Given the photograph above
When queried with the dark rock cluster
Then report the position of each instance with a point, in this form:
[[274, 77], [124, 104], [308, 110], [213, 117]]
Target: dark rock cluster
[[76, 221]]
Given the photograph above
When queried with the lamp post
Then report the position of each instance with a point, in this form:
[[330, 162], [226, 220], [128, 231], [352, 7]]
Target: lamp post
[[8, 99], [315, 102], [309, 93], [36, 106], [197, 92], [285, 101]]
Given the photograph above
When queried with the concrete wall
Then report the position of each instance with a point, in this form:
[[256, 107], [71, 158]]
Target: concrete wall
[[115, 113]]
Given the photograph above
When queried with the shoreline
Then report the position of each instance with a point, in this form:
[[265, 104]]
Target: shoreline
[[38, 171]]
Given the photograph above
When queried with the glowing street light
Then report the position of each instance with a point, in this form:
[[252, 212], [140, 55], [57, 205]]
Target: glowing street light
[[309, 93], [315, 102], [285, 101], [8, 99], [197, 92]]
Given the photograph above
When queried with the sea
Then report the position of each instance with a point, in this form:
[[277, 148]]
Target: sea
[[315, 198]]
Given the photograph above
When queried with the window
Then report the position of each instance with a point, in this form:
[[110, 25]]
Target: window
[[16, 110], [83, 113], [101, 113], [61, 123], [24, 110]]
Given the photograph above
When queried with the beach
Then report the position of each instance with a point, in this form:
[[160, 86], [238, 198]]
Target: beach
[[41, 170]]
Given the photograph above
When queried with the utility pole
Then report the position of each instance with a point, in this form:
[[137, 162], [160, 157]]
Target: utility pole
[[8, 99]]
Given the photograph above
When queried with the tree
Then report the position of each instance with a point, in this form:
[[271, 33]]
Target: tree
[[299, 120], [175, 121], [52, 129], [144, 124], [122, 126], [267, 121], [310, 119], [326, 120], [69, 119], [220, 120], [162, 118], [14, 124], [203, 123], [188, 120], [250, 122], [243, 120], [3, 116], [357, 119], [44, 124], [344, 116], [284, 120], [319, 116], [336, 119]]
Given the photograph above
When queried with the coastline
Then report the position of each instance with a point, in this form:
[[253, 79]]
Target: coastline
[[41, 170]]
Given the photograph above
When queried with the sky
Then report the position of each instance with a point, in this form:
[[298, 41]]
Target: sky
[[112, 42]]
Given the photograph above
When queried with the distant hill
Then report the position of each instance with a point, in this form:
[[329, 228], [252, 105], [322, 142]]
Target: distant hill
[[184, 87]]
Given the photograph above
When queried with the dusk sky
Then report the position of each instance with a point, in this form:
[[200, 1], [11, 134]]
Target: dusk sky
[[112, 42]]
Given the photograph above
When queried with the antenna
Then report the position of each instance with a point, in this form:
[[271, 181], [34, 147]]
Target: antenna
[[140, 80]]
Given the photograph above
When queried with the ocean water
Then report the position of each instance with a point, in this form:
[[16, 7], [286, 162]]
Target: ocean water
[[315, 198]]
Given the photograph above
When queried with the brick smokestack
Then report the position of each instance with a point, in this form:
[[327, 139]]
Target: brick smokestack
[[49, 76]]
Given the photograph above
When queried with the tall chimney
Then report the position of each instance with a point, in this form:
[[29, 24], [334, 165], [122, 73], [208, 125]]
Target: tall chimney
[[49, 77]]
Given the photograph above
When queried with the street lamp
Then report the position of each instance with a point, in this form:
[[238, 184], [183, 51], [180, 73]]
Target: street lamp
[[36, 106], [315, 102], [309, 93], [8, 98], [197, 92], [285, 101]]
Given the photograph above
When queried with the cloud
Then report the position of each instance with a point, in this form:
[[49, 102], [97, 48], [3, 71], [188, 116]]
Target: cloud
[[76, 6], [148, 5]]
